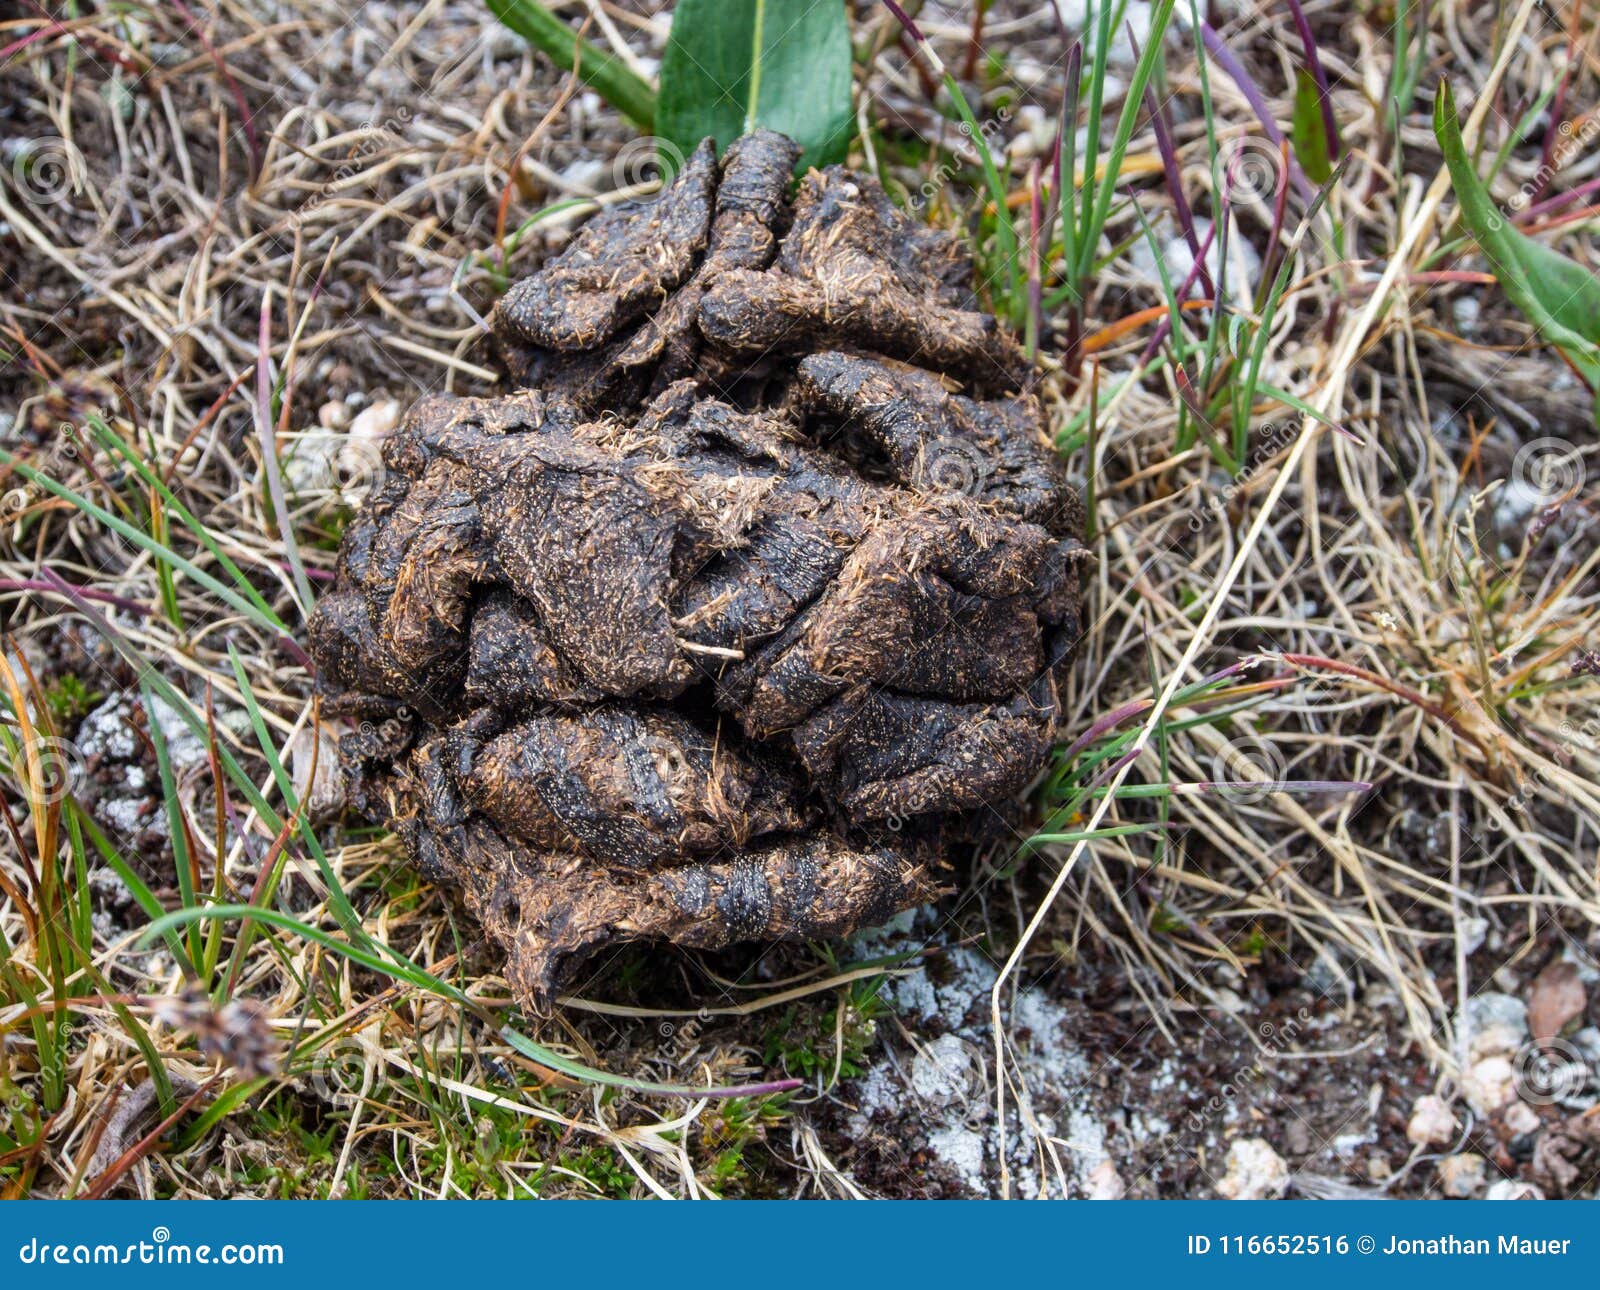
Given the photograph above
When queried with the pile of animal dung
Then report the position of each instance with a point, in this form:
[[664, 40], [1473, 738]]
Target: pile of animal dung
[[743, 613]]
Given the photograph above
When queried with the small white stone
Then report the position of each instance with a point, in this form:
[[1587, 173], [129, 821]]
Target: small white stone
[[1491, 1024], [1032, 74], [1588, 970], [126, 817], [1519, 1117], [377, 421], [314, 770], [502, 41], [1104, 1183], [1326, 974], [1510, 1189], [584, 176], [1244, 262], [1516, 501], [308, 466], [962, 1149], [1462, 1177], [1254, 1171], [1432, 1124], [106, 732], [183, 745], [108, 882], [1489, 1085], [945, 1071]]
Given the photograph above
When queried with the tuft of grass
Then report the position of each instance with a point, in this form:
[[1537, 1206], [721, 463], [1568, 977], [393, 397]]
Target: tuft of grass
[[822, 1050]]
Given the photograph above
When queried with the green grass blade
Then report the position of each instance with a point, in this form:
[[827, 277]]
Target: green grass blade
[[141, 540], [113, 442], [177, 826], [606, 74], [1106, 187], [425, 980], [1558, 296]]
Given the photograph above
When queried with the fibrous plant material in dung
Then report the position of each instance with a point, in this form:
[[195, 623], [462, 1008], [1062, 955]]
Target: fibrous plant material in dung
[[743, 613]]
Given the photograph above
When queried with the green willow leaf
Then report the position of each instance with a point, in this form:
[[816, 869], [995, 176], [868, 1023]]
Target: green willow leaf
[[734, 65], [1559, 296]]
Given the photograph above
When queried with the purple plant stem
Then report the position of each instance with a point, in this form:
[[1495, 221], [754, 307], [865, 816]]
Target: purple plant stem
[[1109, 722], [1036, 253], [1117, 716], [1330, 127], [247, 120], [88, 593], [1276, 786], [251, 845], [1258, 103], [904, 19], [1067, 120], [1164, 327], [1269, 267], [1560, 200], [295, 654], [748, 1090], [1174, 174], [311, 571], [1113, 768]]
